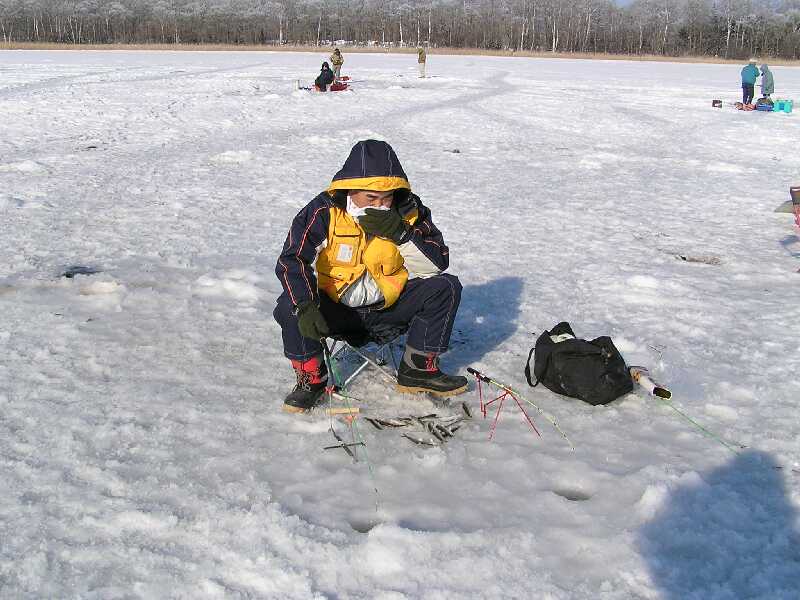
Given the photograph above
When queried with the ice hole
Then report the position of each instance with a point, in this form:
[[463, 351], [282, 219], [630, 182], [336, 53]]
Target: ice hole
[[362, 525], [572, 494]]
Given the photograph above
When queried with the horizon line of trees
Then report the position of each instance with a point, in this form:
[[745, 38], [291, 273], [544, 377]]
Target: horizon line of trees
[[720, 28]]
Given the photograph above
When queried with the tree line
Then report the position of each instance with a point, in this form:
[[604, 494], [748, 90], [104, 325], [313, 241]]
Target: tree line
[[720, 28]]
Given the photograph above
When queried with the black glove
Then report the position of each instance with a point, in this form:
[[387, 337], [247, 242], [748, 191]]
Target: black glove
[[311, 322], [383, 223]]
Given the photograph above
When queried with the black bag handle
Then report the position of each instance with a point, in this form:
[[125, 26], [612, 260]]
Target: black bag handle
[[528, 369]]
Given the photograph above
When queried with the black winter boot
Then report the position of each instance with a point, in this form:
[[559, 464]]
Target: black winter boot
[[419, 372], [312, 379]]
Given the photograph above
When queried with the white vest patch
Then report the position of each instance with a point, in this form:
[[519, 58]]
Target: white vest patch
[[344, 253]]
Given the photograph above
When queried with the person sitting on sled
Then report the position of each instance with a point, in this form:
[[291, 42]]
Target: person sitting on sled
[[346, 271], [324, 79], [337, 60], [749, 76]]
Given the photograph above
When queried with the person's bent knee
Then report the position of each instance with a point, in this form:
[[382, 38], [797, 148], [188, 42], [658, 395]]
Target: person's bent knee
[[445, 286], [455, 281], [443, 281], [283, 310], [452, 283]]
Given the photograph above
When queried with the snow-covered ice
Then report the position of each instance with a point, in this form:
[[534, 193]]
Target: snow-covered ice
[[142, 450]]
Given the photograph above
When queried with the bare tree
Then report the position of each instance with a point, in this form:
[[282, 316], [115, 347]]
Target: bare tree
[[670, 27]]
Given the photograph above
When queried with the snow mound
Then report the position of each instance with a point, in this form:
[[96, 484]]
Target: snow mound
[[29, 167], [235, 285], [319, 140], [644, 281], [719, 167], [724, 413], [652, 500], [100, 288], [233, 157]]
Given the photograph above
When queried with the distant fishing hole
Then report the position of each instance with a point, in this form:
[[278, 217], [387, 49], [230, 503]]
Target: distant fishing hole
[[572, 494]]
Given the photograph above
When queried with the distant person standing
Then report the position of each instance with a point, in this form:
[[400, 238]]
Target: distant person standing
[[749, 76], [337, 60], [767, 82], [421, 58]]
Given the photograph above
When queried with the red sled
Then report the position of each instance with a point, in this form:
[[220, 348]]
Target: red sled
[[337, 87]]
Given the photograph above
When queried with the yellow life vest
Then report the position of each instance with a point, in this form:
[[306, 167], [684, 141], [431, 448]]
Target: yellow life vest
[[349, 253]]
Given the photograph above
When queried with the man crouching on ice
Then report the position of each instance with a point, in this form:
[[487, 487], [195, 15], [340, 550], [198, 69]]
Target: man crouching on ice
[[362, 237]]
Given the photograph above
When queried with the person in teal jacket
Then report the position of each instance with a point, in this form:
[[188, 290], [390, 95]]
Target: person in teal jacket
[[767, 82], [749, 76]]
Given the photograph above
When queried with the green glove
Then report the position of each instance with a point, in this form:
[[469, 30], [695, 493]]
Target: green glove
[[310, 321], [383, 223]]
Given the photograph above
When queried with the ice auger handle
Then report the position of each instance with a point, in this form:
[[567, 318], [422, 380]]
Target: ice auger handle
[[479, 375]]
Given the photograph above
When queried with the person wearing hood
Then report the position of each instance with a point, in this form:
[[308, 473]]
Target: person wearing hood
[[749, 76], [767, 82], [364, 261], [337, 60], [324, 79]]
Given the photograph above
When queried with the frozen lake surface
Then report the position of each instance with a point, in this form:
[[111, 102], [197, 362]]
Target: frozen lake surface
[[143, 453]]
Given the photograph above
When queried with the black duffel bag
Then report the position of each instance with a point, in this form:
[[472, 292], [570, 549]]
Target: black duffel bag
[[594, 372]]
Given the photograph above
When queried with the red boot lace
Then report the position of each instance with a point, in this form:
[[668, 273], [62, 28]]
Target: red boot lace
[[432, 363], [308, 372], [303, 380]]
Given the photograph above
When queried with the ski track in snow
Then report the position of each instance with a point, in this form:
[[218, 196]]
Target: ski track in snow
[[142, 450]]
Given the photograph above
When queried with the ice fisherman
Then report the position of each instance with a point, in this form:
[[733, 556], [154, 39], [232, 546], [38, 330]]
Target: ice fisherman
[[325, 78], [364, 261], [422, 56], [337, 60], [767, 82], [749, 76]]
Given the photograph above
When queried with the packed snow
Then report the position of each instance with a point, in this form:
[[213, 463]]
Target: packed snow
[[143, 452]]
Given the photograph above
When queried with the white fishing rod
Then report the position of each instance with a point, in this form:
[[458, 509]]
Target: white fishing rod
[[642, 376]]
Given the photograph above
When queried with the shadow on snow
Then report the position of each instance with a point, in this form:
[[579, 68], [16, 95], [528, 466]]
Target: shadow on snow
[[791, 243], [486, 318], [730, 536]]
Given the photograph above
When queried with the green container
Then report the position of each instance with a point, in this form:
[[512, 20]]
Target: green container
[[787, 106]]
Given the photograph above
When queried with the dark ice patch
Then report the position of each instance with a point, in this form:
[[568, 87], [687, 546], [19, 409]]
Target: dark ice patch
[[70, 272], [572, 494]]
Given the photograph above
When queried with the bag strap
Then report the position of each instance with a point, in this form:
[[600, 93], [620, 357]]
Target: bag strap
[[528, 369]]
